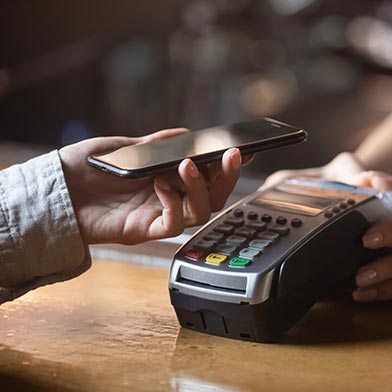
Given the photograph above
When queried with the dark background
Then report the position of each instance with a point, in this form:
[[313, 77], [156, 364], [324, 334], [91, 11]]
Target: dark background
[[71, 70]]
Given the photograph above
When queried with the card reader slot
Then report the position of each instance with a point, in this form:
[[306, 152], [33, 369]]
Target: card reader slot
[[211, 278], [192, 283]]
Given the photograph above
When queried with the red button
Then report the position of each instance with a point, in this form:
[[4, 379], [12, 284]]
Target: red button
[[194, 254]]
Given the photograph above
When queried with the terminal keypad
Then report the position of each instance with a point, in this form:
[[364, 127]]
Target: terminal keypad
[[241, 239]]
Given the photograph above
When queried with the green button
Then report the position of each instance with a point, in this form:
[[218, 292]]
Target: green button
[[239, 262]]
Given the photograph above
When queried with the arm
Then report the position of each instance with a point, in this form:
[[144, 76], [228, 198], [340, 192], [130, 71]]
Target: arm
[[40, 241], [374, 153], [53, 206]]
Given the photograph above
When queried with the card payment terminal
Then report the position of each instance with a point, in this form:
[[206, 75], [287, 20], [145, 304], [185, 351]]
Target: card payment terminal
[[257, 267]]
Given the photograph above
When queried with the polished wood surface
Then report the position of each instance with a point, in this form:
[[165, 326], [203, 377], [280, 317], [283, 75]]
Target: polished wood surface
[[113, 329]]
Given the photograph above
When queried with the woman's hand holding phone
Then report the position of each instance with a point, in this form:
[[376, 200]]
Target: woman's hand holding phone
[[111, 209]]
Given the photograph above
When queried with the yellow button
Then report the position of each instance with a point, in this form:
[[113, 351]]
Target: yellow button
[[215, 258]]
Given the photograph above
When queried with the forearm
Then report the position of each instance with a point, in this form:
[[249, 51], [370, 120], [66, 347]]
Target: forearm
[[375, 152], [40, 241]]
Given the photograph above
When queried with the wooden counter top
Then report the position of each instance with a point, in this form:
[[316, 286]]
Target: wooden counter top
[[113, 329]]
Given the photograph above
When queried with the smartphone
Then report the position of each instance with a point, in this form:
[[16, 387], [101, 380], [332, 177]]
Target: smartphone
[[204, 146]]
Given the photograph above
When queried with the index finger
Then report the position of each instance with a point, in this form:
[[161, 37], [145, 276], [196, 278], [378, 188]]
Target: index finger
[[163, 134], [378, 236], [380, 181], [211, 171]]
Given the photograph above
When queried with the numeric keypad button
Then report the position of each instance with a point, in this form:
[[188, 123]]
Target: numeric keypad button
[[236, 240], [204, 245], [226, 249], [246, 232], [225, 229], [248, 253], [281, 230], [213, 236], [258, 226], [236, 222], [259, 244], [268, 235]]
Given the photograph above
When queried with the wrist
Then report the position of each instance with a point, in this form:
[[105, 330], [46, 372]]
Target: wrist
[[343, 167]]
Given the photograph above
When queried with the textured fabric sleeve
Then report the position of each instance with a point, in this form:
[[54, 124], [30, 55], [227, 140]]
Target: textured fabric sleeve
[[40, 242]]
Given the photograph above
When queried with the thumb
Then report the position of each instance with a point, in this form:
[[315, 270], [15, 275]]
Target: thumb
[[381, 181]]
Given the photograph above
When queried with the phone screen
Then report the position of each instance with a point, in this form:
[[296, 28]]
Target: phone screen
[[201, 146]]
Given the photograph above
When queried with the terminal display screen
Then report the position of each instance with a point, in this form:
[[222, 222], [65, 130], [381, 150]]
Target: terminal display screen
[[295, 202]]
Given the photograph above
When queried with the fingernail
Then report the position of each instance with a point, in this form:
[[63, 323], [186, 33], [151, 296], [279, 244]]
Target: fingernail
[[192, 170], [162, 183], [365, 295], [372, 240], [236, 159], [366, 278]]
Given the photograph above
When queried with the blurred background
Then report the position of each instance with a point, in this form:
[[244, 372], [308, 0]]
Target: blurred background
[[71, 70]]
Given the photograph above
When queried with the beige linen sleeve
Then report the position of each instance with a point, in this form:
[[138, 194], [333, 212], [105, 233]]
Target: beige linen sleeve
[[40, 242]]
